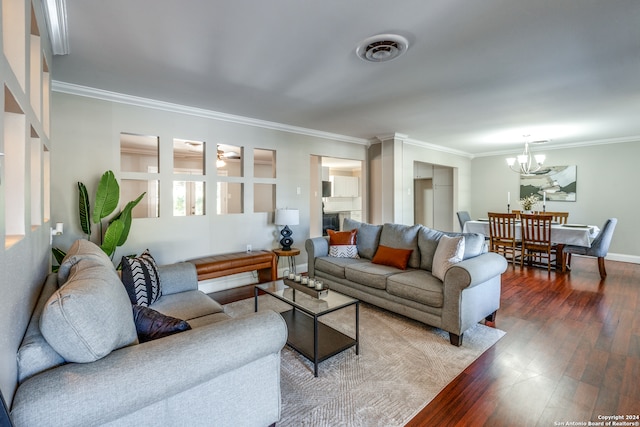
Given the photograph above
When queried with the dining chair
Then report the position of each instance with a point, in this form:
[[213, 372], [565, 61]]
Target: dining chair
[[559, 217], [463, 216], [598, 249], [502, 235], [517, 212], [536, 238]]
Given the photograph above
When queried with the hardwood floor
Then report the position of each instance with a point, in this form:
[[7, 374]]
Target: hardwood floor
[[571, 352]]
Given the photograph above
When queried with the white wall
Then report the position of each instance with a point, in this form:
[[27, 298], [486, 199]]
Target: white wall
[[87, 133], [607, 181]]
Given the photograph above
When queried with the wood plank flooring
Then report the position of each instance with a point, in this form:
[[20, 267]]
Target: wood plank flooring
[[571, 352]]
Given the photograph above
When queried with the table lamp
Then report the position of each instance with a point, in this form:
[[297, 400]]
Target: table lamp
[[287, 217]]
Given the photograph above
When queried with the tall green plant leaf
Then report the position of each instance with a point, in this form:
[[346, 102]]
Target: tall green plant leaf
[[84, 209], [107, 197], [58, 254], [112, 237], [125, 216]]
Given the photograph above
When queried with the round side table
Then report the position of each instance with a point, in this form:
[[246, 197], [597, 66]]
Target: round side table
[[291, 257]]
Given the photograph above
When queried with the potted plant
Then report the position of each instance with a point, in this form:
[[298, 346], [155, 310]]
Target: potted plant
[[106, 201], [529, 202]]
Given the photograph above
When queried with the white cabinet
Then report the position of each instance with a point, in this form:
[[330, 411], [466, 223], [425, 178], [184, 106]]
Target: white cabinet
[[422, 170], [345, 186]]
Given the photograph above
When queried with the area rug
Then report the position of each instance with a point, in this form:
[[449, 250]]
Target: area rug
[[402, 366]]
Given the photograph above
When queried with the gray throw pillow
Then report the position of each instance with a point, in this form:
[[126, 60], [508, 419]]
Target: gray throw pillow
[[367, 239], [428, 242], [90, 315], [401, 236]]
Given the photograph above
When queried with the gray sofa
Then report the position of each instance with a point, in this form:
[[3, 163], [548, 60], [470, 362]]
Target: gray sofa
[[469, 292], [223, 371]]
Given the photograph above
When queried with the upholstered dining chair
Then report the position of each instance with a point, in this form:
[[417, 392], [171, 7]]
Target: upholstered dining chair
[[599, 247], [463, 216], [502, 235], [536, 238]]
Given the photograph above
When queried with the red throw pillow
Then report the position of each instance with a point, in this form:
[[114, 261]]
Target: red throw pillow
[[392, 257], [342, 237]]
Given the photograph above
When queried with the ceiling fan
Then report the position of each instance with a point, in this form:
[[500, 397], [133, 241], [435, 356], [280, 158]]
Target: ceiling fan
[[223, 155]]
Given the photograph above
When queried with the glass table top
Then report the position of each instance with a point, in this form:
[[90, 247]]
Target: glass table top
[[315, 306]]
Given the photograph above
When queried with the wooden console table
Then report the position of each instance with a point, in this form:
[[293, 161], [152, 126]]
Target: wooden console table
[[213, 266]]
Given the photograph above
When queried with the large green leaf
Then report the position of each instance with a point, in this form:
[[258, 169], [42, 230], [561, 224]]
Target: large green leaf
[[58, 254], [112, 237], [84, 209], [125, 216], [107, 197]]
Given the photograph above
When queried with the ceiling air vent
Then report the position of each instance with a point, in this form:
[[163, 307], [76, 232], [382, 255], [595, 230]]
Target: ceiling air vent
[[381, 48]]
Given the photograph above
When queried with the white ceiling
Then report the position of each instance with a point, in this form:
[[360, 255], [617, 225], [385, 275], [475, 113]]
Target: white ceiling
[[478, 74]]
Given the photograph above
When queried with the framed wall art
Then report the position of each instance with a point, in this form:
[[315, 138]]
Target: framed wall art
[[557, 183]]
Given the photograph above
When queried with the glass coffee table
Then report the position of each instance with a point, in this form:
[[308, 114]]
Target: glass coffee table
[[313, 339]]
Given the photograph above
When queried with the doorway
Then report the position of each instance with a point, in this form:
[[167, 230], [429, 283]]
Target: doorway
[[433, 196]]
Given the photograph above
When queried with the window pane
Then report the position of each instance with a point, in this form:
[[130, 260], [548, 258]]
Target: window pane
[[188, 157], [264, 197], [138, 153], [130, 189], [229, 160], [264, 163], [188, 198], [230, 198]]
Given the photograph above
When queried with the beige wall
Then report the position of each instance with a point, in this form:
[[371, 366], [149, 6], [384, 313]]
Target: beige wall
[[607, 181], [87, 131]]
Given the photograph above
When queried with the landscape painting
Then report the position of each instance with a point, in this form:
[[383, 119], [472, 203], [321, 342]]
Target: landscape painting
[[557, 182]]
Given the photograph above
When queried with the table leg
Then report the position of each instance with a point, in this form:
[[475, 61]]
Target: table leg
[[255, 299], [358, 327], [315, 346]]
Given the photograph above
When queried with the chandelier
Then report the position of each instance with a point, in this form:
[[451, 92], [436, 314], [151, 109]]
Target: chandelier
[[526, 163]]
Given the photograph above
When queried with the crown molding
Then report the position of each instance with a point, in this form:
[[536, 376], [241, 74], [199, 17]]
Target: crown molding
[[567, 145], [73, 89], [440, 148]]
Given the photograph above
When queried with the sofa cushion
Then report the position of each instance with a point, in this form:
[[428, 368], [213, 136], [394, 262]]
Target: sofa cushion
[[368, 236], [369, 274], [417, 285], [402, 237], [152, 325], [428, 242], [81, 249], [141, 280], [450, 251], [35, 353], [90, 315], [187, 305], [393, 257], [335, 266]]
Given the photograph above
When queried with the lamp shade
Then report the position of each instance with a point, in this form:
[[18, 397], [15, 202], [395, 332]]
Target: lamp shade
[[287, 217]]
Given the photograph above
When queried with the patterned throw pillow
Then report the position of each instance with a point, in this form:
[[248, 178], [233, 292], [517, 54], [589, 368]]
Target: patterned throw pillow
[[141, 280], [151, 324], [342, 244], [344, 251]]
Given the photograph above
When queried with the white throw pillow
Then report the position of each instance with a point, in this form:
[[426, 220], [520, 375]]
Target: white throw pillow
[[343, 251], [450, 251]]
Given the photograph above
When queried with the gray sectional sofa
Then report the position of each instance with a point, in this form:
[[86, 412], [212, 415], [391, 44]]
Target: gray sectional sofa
[[469, 292], [223, 371]]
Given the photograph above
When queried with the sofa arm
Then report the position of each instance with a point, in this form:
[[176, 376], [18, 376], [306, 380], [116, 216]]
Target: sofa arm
[[133, 377], [315, 247], [474, 271], [178, 277]]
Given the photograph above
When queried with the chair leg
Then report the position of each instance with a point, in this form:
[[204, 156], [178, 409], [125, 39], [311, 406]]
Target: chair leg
[[603, 271]]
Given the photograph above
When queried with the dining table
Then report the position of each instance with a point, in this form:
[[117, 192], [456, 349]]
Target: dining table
[[561, 234]]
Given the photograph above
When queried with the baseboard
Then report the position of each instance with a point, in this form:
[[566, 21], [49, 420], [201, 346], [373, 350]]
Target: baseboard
[[623, 258], [241, 279]]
